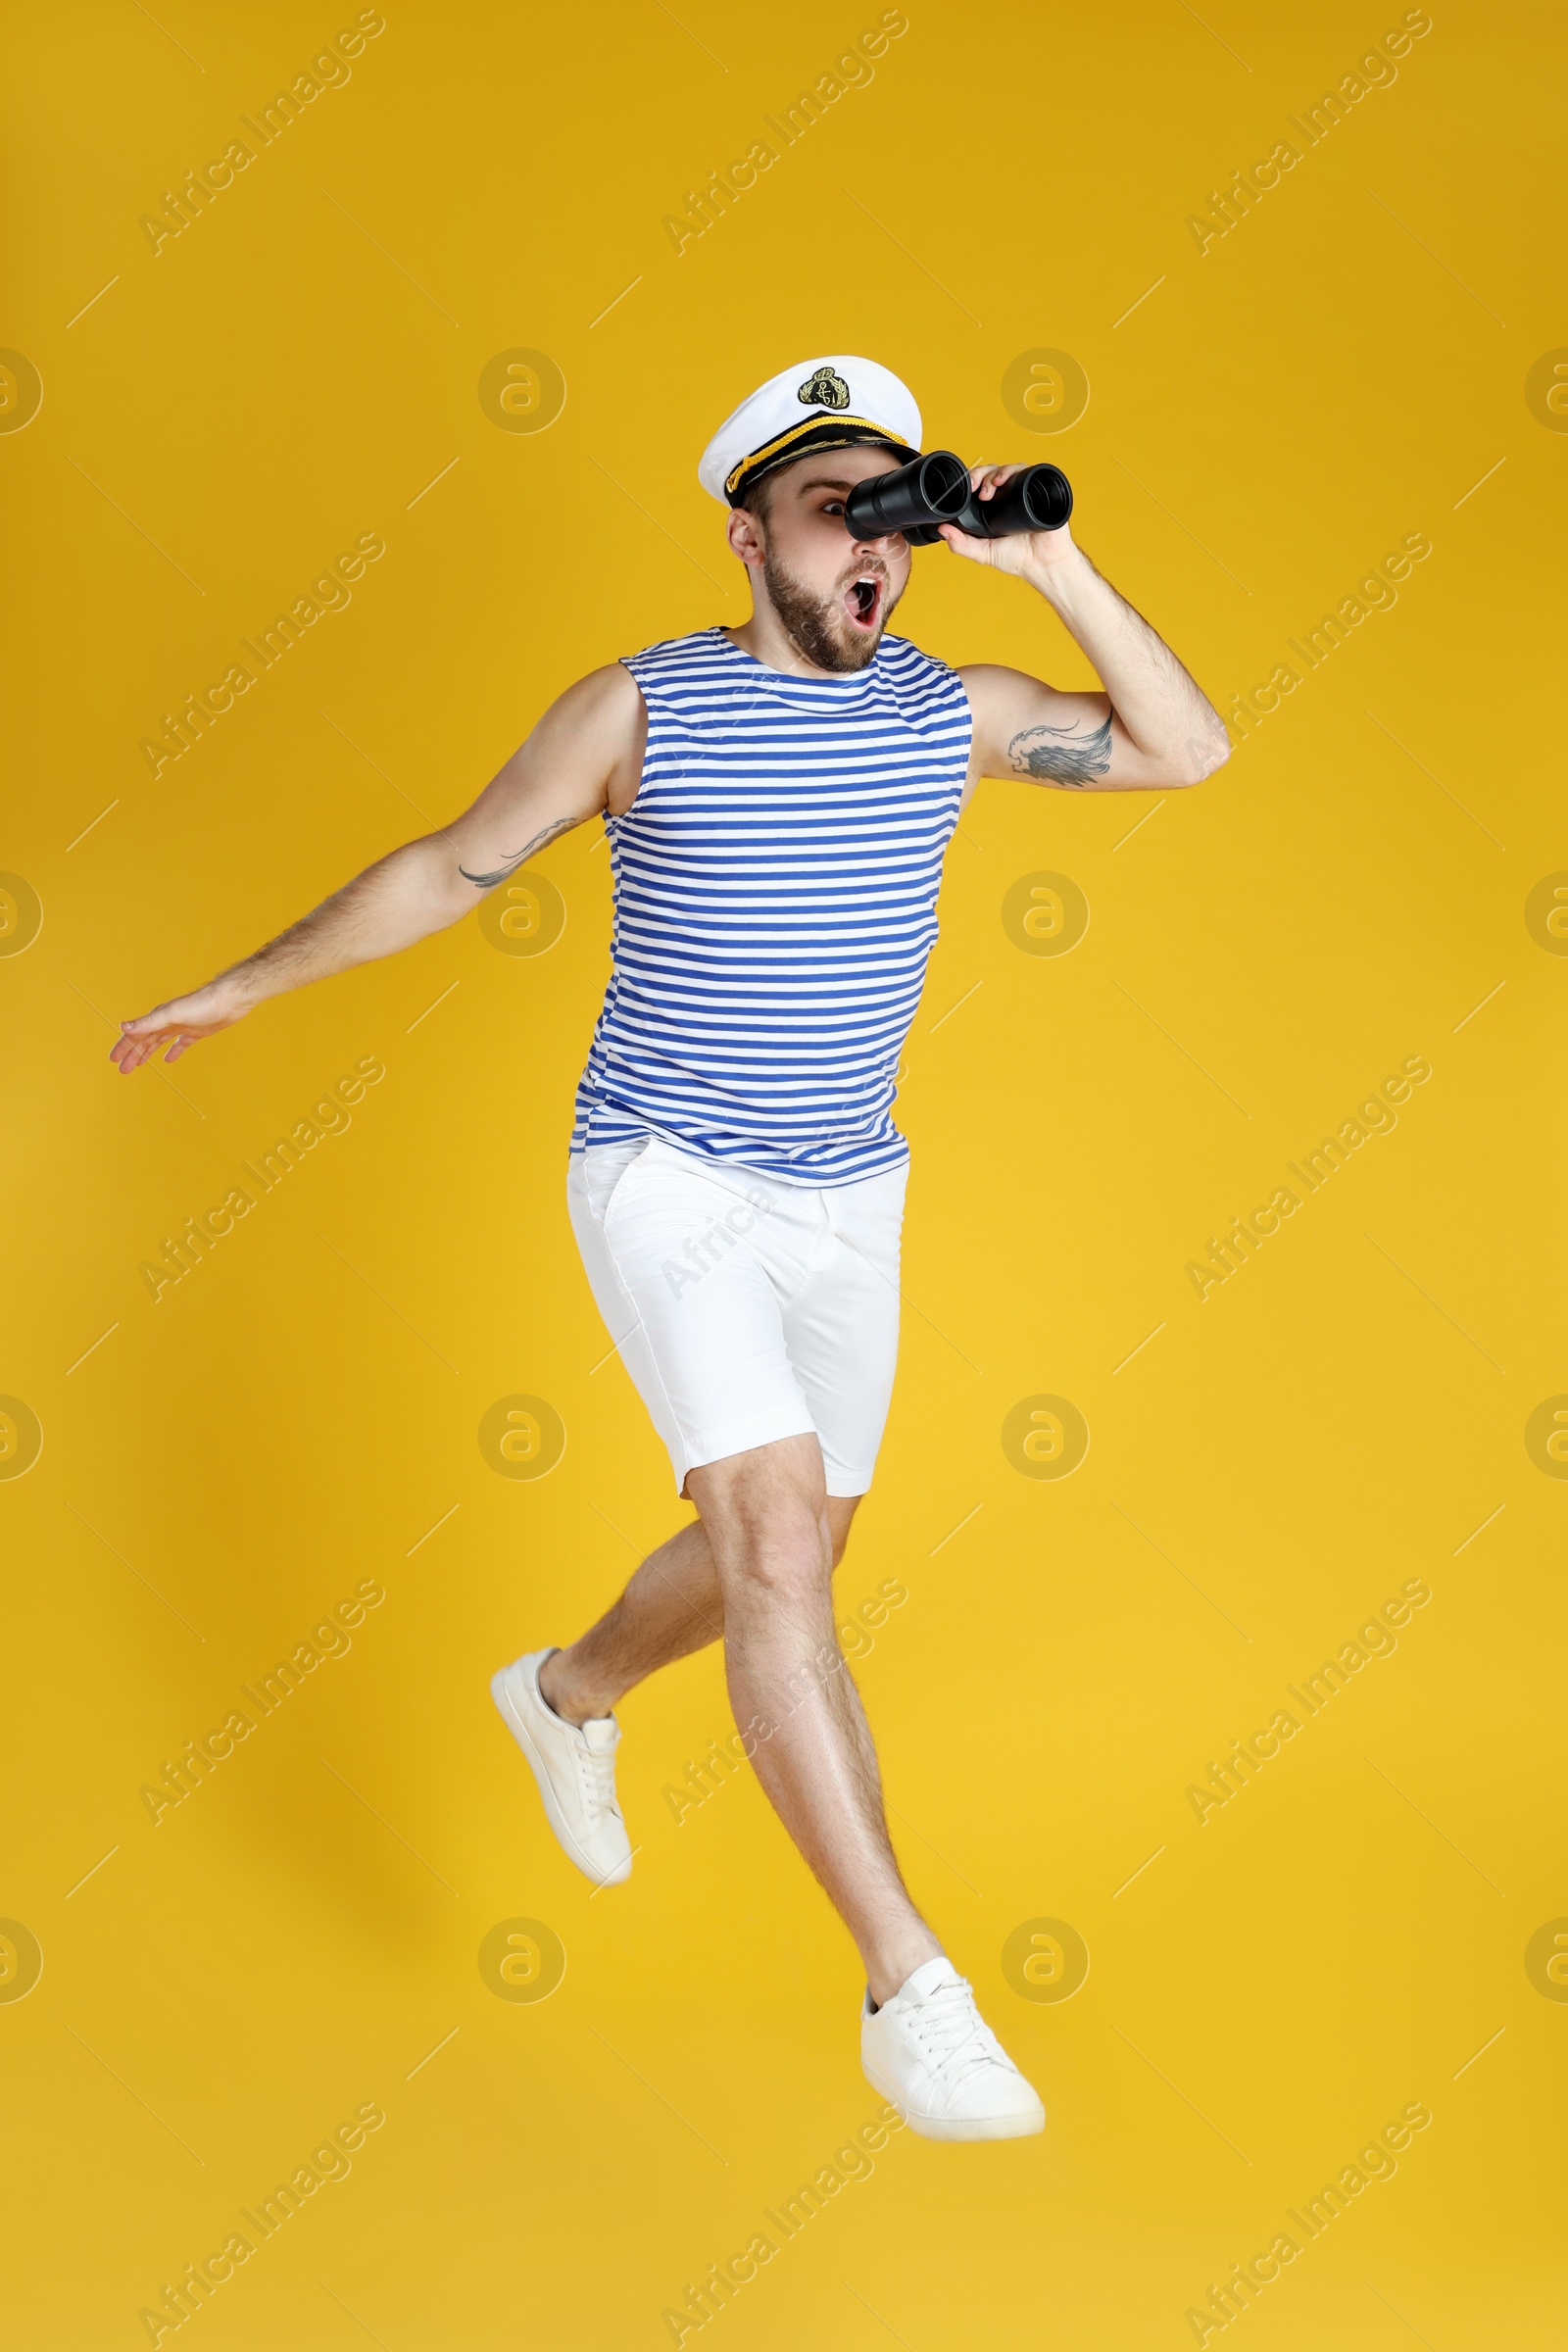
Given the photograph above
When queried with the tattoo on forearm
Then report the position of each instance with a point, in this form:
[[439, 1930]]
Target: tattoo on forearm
[[1060, 754], [562, 824]]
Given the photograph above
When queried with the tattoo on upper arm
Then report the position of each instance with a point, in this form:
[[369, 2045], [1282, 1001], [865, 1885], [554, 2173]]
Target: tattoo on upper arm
[[1060, 754], [562, 824]]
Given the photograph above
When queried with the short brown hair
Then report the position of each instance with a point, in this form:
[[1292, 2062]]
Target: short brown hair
[[760, 496]]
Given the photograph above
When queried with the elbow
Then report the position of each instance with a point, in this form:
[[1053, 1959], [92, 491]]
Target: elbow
[[1204, 755]]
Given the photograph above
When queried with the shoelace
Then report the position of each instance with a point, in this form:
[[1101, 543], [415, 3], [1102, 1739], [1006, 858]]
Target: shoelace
[[950, 2031], [595, 1770]]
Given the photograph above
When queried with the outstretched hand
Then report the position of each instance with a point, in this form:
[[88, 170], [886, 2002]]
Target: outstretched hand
[[1021, 552], [179, 1024]]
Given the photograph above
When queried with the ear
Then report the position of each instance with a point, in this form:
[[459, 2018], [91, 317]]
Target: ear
[[745, 537]]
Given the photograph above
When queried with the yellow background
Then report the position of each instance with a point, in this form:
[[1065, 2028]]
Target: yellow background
[[292, 372]]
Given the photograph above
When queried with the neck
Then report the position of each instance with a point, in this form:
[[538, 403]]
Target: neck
[[766, 638]]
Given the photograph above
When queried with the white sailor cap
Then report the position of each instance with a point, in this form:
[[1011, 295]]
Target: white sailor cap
[[822, 404]]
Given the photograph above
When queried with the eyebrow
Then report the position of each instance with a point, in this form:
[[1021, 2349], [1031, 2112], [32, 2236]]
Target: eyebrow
[[821, 481]]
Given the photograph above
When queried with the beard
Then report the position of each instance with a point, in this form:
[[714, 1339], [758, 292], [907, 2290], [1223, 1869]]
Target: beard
[[818, 625]]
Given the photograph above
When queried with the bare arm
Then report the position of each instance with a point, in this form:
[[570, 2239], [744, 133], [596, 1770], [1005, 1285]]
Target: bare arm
[[584, 754], [1151, 728]]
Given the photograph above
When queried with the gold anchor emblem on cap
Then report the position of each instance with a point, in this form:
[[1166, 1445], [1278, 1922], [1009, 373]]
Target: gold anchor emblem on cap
[[824, 390]]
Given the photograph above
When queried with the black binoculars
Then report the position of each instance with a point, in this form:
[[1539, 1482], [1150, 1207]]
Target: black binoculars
[[917, 498]]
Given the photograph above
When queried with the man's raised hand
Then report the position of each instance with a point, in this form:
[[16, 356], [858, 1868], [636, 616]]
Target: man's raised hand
[[1020, 552]]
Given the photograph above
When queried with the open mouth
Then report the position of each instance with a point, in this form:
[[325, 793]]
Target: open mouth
[[863, 601]]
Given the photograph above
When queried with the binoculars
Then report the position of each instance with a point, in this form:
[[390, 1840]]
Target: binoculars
[[918, 498]]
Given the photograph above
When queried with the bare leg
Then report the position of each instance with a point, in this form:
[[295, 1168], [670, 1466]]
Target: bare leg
[[770, 1545], [672, 1605]]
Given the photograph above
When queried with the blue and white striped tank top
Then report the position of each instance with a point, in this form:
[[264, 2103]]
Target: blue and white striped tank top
[[776, 885]]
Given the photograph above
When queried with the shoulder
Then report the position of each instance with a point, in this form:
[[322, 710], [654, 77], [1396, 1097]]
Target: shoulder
[[593, 732], [601, 691], [909, 666], [700, 650], [603, 701], [995, 692], [929, 692], [902, 653]]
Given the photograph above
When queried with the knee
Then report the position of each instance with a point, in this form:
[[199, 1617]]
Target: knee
[[785, 1554]]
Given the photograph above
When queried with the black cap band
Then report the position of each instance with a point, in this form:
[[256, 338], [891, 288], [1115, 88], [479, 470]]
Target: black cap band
[[803, 439]]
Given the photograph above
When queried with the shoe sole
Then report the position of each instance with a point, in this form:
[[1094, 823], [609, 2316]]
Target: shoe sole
[[517, 1727], [962, 2126], [1010, 2126]]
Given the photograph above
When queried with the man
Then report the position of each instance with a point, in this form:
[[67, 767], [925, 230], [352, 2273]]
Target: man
[[778, 800]]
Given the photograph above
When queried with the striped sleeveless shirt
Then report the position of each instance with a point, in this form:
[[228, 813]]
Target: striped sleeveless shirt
[[776, 885]]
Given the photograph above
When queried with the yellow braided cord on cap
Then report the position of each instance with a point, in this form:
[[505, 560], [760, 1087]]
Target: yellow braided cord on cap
[[808, 425]]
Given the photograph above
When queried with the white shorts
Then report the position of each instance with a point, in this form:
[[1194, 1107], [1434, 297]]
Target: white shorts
[[745, 1309]]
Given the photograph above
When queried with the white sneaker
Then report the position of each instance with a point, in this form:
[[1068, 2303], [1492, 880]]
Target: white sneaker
[[930, 2052], [576, 1770]]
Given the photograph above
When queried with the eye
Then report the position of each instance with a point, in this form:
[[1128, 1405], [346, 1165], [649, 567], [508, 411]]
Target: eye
[[834, 506]]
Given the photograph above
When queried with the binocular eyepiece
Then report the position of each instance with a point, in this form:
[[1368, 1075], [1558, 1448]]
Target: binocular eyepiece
[[918, 498]]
